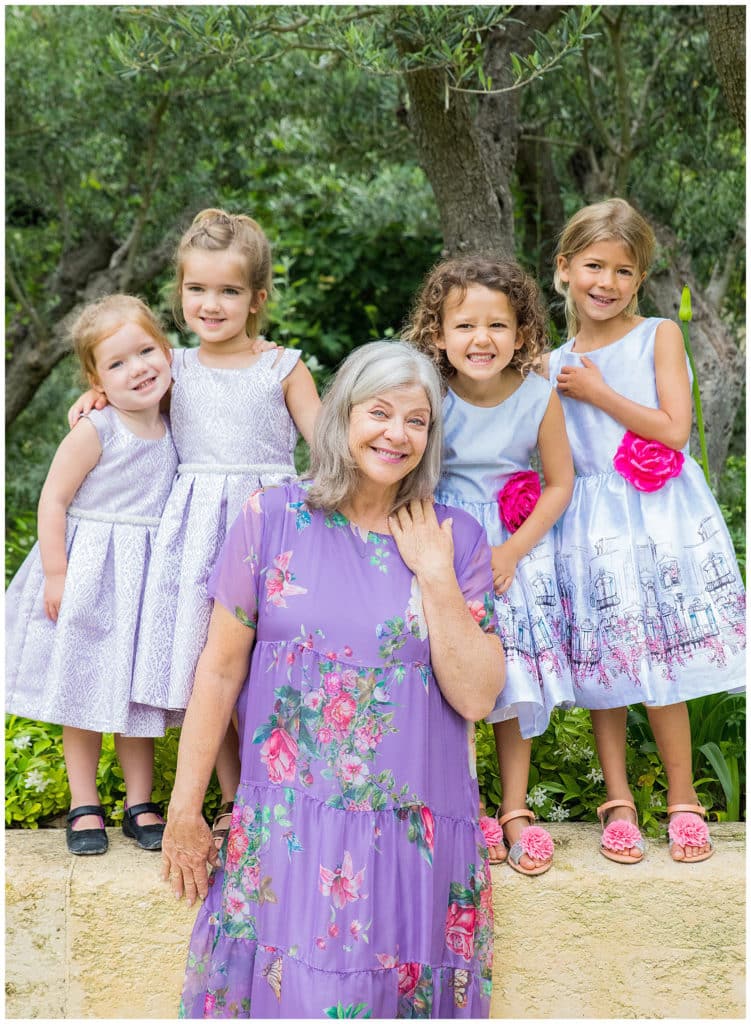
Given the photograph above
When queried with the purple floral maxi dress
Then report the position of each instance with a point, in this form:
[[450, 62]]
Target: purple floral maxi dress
[[355, 880]]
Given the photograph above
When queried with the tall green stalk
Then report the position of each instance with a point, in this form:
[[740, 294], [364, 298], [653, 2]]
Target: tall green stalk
[[685, 316]]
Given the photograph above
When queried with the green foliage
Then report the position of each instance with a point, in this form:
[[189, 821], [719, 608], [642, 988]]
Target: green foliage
[[566, 781], [36, 784], [641, 115], [731, 495]]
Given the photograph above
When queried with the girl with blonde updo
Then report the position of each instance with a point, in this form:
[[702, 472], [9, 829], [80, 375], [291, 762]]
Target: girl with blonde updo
[[237, 405]]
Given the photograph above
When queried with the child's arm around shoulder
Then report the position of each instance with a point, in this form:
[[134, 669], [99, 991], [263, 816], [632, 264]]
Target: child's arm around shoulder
[[302, 399], [558, 472], [670, 422], [78, 453]]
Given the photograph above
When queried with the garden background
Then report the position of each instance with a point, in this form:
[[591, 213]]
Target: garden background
[[367, 141]]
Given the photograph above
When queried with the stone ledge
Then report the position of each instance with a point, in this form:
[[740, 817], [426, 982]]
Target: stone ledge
[[101, 937]]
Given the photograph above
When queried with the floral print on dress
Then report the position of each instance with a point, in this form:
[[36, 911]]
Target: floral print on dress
[[343, 796], [280, 581], [343, 883], [469, 918], [415, 991]]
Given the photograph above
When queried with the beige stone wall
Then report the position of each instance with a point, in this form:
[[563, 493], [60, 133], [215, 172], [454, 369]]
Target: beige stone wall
[[102, 937]]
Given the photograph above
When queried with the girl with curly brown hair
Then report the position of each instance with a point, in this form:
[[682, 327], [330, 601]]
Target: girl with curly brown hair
[[482, 320]]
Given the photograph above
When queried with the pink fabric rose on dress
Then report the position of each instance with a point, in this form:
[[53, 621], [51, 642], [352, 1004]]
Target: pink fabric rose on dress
[[517, 498], [279, 754], [647, 465], [460, 930]]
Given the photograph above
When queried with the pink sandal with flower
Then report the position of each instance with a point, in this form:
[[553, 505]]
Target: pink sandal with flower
[[688, 828], [620, 835], [493, 836], [535, 841]]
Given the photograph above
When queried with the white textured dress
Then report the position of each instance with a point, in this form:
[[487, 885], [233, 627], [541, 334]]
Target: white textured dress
[[233, 434], [483, 449], [78, 671], [654, 600]]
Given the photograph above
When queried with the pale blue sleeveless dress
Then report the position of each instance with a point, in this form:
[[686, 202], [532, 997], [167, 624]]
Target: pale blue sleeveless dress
[[78, 671], [483, 448], [654, 599], [233, 434]]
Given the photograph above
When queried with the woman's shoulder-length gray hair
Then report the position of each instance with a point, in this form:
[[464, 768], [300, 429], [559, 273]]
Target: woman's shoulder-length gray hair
[[368, 371]]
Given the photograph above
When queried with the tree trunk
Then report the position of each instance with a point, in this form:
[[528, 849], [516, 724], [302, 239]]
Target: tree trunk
[[450, 153], [727, 45], [467, 147]]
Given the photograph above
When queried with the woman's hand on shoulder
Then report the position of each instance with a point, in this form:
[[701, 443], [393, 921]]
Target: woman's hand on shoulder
[[89, 400], [426, 545]]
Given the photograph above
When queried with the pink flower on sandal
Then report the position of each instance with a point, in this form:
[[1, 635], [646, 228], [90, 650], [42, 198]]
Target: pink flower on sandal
[[621, 835], [688, 830], [536, 842], [492, 831]]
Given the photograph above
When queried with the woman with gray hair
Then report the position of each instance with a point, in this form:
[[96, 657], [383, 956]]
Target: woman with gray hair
[[354, 879]]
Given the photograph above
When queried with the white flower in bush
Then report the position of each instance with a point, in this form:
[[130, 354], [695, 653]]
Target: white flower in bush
[[537, 797], [595, 775], [558, 813], [21, 742], [36, 781]]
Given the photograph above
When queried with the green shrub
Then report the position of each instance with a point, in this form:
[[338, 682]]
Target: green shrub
[[36, 784], [566, 781]]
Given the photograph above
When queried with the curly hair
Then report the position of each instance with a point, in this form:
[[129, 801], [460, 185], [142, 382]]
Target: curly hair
[[425, 324], [216, 231]]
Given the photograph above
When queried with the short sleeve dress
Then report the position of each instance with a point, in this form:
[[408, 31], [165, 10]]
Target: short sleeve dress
[[654, 600], [355, 880], [483, 449], [233, 434], [78, 671]]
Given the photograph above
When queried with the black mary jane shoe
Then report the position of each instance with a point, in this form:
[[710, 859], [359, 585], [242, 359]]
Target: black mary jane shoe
[[148, 837], [85, 842]]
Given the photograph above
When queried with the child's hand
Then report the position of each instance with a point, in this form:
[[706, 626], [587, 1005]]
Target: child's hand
[[91, 399], [584, 383], [503, 562], [53, 595], [260, 344]]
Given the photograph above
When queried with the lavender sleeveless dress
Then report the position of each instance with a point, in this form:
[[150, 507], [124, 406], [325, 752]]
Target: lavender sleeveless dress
[[482, 449], [654, 600], [355, 880], [78, 671], [233, 434]]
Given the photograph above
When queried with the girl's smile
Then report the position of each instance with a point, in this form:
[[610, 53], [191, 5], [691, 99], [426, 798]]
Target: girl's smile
[[479, 335], [217, 298], [132, 369], [602, 279]]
